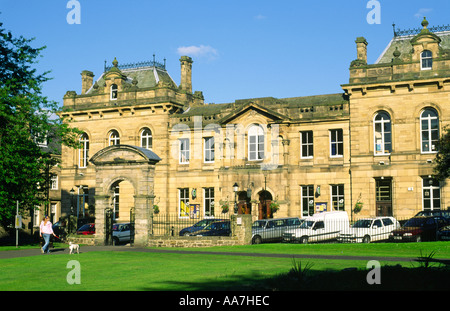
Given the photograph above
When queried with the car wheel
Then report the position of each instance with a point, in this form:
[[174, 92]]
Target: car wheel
[[257, 240], [186, 234], [304, 240], [115, 241], [366, 239]]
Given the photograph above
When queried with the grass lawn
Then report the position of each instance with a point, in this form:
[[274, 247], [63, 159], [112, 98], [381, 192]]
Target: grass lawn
[[117, 270]]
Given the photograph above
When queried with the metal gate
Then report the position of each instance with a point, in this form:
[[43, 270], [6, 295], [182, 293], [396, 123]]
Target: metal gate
[[109, 220], [132, 219]]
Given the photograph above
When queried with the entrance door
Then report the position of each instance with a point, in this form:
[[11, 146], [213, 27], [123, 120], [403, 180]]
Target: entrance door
[[265, 199], [244, 204], [383, 196]]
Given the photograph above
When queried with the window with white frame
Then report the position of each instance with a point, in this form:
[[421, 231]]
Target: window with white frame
[[429, 128], [83, 152], [426, 60], [337, 197], [431, 193], [114, 91], [54, 182], [114, 138], [184, 150], [209, 150], [183, 202], [307, 200], [306, 141], [208, 201], [255, 143], [336, 143], [382, 133], [36, 217], [146, 138]]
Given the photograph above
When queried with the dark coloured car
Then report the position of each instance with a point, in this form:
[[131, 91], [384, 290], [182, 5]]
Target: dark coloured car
[[443, 234], [418, 228], [59, 228], [198, 226], [218, 228], [442, 213], [86, 229]]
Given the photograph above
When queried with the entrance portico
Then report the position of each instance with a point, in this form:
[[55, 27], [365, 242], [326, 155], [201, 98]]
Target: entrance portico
[[135, 166]]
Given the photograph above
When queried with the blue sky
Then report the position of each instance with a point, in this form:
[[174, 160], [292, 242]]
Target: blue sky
[[241, 49]]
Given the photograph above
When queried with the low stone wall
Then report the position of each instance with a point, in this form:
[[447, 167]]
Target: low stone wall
[[90, 240], [241, 231], [192, 241]]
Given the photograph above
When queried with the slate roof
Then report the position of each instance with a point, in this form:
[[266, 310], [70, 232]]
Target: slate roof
[[146, 77], [403, 43]]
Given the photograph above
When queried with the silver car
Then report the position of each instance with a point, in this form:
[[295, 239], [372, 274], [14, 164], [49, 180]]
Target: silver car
[[271, 230], [122, 233]]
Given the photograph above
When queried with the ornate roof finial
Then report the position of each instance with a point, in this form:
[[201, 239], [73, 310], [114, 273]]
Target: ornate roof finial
[[425, 23], [115, 62]]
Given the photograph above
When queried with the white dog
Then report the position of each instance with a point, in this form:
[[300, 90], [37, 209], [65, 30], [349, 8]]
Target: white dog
[[74, 247]]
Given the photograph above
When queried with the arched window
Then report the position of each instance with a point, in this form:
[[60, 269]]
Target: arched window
[[429, 130], [83, 156], [255, 143], [382, 133], [114, 90], [146, 138], [426, 60], [114, 138]]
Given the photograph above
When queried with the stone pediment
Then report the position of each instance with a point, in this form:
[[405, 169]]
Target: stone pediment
[[250, 111], [124, 154]]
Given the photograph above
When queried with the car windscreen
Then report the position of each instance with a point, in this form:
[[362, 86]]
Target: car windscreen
[[416, 222], [259, 224], [307, 224], [362, 223]]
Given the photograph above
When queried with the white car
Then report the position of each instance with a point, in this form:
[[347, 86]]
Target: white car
[[319, 227], [368, 230]]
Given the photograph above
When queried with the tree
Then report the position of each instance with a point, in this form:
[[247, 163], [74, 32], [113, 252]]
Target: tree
[[26, 121], [442, 166]]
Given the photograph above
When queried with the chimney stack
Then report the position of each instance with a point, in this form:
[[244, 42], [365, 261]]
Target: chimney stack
[[186, 74], [361, 49], [87, 78]]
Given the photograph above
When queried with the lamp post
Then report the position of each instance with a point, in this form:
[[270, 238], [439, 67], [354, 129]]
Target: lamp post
[[235, 189], [72, 193]]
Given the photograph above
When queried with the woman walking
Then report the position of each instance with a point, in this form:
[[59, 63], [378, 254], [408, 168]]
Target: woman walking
[[46, 231]]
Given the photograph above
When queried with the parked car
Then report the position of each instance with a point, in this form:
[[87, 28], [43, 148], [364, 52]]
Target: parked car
[[59, 228], [319, 227], [217, 228], [86, 229], [442, 213], [369, 230], [121, 232], [271, 230], [198, 226], [418, 228], [443, 234]]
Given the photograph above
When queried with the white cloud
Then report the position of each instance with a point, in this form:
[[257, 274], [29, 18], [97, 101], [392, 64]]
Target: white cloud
[[421, 13], [260, 17], [201, 51]]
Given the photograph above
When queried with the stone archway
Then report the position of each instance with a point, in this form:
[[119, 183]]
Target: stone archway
[[136, 166]]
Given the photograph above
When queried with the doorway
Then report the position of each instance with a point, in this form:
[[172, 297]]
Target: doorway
[[264, 210], [244, 204], [383, 196]]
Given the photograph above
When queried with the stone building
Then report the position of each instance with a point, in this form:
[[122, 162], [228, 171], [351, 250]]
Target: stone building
[[374, 143]]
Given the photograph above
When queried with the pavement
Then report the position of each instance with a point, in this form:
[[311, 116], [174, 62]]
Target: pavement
[[127, 248]]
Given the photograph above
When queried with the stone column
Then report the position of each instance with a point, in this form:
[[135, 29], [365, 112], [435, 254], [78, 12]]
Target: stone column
[[101, 204]]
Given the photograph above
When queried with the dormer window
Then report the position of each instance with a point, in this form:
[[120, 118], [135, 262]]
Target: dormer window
[[426, 59], [114, 91]]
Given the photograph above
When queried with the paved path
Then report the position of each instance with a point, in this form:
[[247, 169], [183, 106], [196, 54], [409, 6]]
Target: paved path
[[125, 248]]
